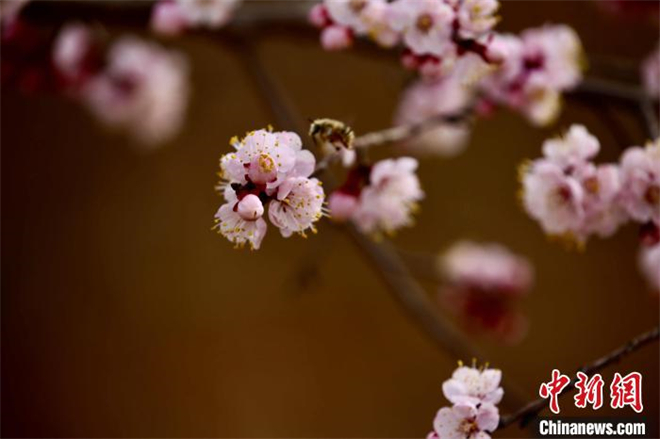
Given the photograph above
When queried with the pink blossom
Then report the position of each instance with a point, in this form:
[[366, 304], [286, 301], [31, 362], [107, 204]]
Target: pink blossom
[[336, 37], [449, 96], [466, 421], [534, 70], [649, 264], [426, 25], [474, 386], [476, 17], [603, 213], [342, 205], [236, 227], [651, 73], [210, 14], [553, 198], [389, 200], [318, 16], [268, 158], [168, 18], [10, 9], [574, 148], [143, 89], [486, 267], [349, 14], [640, 174], [299, 204], [268, 169]]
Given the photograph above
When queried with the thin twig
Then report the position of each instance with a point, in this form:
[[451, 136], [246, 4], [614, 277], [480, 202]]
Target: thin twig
[[532, 409], [650, 118], [405, 132]]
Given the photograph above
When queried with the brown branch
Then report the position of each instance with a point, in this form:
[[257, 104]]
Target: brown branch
[[532, 409]]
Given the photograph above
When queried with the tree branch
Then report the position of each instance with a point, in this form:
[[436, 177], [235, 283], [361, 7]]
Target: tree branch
[[532, 409]]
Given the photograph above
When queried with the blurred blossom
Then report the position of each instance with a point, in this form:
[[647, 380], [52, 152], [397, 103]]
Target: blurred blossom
[[474, 385], [448, 96], [76, 55], [651, 73], [569, 195], [385, 196], [173, 16], [9, 10], [486, 267], [649, 264], [640, 173], [268, 169], [465, 421], [341, 20], [483, 285], [336, 37], [535, 69], [143, 89], [425, 25], [476, 17]]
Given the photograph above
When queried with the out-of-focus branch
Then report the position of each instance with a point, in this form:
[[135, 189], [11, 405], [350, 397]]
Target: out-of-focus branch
[[532, 409], [405, 132]]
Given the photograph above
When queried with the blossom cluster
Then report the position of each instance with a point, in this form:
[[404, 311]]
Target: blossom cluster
[[483, 286], [474, 393], [172, 17], [572, 197], [534, 69], [268, 170], [134, 85], [435, 33], [380, 198]]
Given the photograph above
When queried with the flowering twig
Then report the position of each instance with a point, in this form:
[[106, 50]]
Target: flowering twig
[[404, 288], [532, 409]]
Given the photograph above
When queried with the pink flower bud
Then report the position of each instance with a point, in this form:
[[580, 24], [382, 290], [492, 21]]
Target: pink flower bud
[[250, 208], [318, 16], [341, 205], [336, 38]]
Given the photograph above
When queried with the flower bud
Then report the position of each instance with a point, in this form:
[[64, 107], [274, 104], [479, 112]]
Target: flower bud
[[250, 208]]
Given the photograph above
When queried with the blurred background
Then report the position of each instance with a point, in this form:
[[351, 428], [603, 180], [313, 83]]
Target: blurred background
[[125, 315]]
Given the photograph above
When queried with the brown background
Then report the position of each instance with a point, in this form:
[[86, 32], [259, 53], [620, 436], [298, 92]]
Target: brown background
[[123, 314]]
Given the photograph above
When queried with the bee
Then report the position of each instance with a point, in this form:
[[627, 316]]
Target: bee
[[331, 135]]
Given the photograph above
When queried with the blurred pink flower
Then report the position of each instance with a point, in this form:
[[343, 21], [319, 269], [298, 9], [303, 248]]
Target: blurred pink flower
[[336, 37], [534, 70], [387, 203], [381, 198], [651, 73], [569, 195], [170, 17], [143, 89], [448, 96], [425, 25], [167, 18], [640, 173], [649, 264], [466, 421], [486, 267], [474, 386], [476, 17]]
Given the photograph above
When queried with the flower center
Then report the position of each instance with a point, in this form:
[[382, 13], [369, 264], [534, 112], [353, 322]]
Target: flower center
[[591, 185], [652, 195], [424, 22], [266, 163], [468, 427]]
